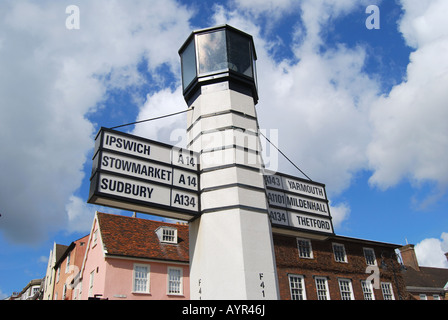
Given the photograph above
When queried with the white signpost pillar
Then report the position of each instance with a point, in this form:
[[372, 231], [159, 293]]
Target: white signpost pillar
[[231, 247]]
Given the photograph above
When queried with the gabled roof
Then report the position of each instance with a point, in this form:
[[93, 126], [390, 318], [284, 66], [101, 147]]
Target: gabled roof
[[60, 250], [67, 250], [427, 277], [136, 238]]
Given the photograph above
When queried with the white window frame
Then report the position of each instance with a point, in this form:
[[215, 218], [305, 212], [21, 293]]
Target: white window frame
[[135, 288], [323, 286], [67, 264], [387, 290], [367, 290], [167, 234], [58, 274], [64, 291], [80, 289], [303, 254], [301, 292], [345, 287], [95, 238], [180, 284], [91, 278], [336, 257], [370, 252]]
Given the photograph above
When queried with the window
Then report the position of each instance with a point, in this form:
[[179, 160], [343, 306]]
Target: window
[[423, 296], [305, 250], [322, 288], [64, 292], [339, 252], [369, 254], [67, 265], [141, 278], [239, 51], [212, 52], [345, 287], [367, 290], [297, 287], [35, 290], [167, 234], [58, 273], [435, 297], [188, 57], [91, 283], [386, 288], [175, 281], [95, 238]]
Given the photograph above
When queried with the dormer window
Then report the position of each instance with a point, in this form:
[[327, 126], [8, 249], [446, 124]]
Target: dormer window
[[167, 234]]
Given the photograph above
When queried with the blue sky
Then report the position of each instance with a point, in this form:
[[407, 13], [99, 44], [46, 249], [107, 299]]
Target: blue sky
[[363, 111]]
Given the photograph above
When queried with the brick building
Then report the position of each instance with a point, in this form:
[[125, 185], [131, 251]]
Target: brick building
[[337, 268], [423, 283], [309, 266], [67, 267]]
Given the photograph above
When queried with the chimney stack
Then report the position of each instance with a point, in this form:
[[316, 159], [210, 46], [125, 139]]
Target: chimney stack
[[409, 257]]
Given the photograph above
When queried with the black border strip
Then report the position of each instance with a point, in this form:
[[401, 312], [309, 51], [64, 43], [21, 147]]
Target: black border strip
[[237, 206], [171, 168], [100, 146], [95, 193]]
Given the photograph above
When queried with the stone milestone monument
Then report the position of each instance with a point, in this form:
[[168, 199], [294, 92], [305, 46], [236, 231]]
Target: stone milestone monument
[[231, 247]]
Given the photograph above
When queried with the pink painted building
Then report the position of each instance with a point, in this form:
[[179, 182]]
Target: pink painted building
[[134, 259]]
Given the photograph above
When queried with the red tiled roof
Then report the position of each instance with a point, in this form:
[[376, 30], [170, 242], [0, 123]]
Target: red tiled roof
[[135, 237]]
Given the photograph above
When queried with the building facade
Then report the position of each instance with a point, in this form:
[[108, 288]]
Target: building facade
[[337, 268], [31, 291], [134, 259], [67, 267], [423, 283], [49, 281]]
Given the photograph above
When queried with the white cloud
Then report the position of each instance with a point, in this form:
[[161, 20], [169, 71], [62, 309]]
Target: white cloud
[[162, 103], [51, 78], [339, 214], [423, 22], [410, 135], [80, 215], [322, 100], [431, 252]]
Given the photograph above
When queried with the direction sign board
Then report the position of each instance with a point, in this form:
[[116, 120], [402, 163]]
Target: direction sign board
[[298, 204], [137, 174]]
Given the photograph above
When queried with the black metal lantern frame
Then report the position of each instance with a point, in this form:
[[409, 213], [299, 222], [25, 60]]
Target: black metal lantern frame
[[219, 54]]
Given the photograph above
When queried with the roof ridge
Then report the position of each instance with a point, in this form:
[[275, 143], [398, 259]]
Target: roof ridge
[[136, 238], [143, 219]]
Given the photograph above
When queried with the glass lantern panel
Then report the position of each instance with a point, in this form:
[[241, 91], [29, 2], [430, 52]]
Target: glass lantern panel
[[240, 54], [212, 52], [188, 64]]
